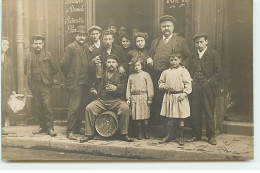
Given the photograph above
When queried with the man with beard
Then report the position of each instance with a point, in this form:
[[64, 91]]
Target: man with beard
[[93, 48], [161, 48], [40, 68], [110, 89], [205, 69], [7, 81], [110, 48], [74, 66]]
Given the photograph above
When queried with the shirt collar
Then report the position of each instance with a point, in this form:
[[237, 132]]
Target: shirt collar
[[97, 44], [167, 37], [202, 52]]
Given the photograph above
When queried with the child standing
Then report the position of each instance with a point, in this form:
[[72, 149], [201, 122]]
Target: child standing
[[176, 83], [139, 94]]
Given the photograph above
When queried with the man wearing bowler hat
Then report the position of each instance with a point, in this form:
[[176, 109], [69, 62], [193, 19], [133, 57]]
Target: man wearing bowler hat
[[93, 48], [74, 66], [205, 70], [110, 89], [161, 48], [40, 68]]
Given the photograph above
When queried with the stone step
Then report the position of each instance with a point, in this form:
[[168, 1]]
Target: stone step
[[237, 128]]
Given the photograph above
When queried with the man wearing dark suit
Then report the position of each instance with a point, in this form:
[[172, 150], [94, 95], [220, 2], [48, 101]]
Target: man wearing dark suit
[[7, 81], [205, 70], [161, 48], [40, 68], [111, 48], [110, 89], [94, 48], [74, 66]]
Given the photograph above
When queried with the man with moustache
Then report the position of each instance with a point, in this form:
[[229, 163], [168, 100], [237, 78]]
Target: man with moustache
[[111, 48], [40, 68], [205, 70], [93, 48], [74, 66], [161, 48], [110, 90], [7, 81]]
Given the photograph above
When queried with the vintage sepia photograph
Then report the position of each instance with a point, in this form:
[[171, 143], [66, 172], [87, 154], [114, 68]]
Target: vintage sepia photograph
[[127, 80]]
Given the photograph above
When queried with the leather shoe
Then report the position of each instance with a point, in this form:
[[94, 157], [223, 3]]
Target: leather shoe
[[127, 138], [71, 136], [164, 140], [40, 130], [181, 141], [213, 141], [52, 133], [3, 132], [193, 139], [86, 139]]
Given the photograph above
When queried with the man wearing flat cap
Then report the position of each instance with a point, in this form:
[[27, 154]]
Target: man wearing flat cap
[[161, 48], [110, 48], [40, 68], [205, 70], [74, 66], [93, 48], [7, 81], [110, 89]]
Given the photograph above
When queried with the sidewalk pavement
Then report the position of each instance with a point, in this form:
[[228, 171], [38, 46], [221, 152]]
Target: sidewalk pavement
[[229, 147]]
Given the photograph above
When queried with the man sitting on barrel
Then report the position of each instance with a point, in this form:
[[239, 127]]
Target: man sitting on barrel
[[110, 90]]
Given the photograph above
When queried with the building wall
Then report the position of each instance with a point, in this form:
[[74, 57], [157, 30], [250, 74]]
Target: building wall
[[228, 23]]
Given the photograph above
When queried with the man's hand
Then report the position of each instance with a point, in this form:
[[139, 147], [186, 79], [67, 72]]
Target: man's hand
[[149, 61], [121, 70], [97, 60], [91, 48], [149, 102], [111, 87], [128, 102], [93, 91], [182, 96], [166, 87]]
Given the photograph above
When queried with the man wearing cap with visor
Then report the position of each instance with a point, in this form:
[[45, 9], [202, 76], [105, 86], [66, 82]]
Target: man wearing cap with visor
[[74, 66], [205, 70], [93, 48], [40, 68], [110, 90], [161, 48]]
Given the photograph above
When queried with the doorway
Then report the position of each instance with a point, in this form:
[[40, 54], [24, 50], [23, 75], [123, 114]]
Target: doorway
[[132, 14]]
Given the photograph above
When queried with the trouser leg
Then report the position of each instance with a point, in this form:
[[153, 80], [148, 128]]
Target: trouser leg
[[85, 98], [157, 101], [46, 106], [209, 106], [196, 111], [92, 111], [37, 104], [74, 120], [122, 110]]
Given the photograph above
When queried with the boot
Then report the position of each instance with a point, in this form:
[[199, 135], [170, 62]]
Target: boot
[[52, 133], [39, 131], [181, 138], [168, 138], [139, 132], [3, 132], [146, 136]]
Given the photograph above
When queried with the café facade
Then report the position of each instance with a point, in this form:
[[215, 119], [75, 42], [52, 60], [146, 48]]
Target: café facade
[[229, 24]]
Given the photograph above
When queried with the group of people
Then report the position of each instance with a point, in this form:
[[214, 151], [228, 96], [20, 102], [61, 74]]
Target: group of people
[[100, 75]]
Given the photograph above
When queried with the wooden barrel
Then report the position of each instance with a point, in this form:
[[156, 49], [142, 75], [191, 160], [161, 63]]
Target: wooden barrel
[[106, 124]]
